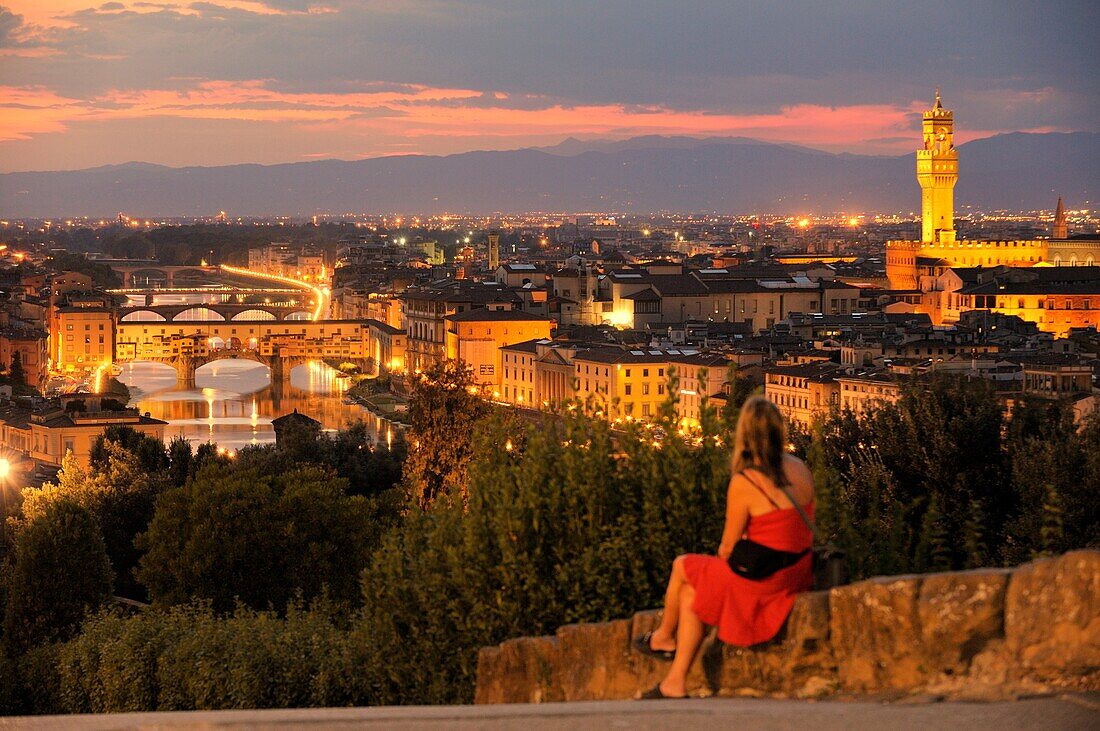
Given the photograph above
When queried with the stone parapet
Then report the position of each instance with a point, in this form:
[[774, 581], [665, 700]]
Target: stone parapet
[[971, 634]]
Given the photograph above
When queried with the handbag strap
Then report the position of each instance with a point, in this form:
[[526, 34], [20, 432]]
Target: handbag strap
[[802, 513], [759, 489]]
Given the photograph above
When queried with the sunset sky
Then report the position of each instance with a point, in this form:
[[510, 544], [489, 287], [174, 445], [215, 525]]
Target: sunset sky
[[265, 81]]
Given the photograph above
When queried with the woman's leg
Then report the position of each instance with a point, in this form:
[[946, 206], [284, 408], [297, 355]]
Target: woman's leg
[[689, 635], [664, 637]]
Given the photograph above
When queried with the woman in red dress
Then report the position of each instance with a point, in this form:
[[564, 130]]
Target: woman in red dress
[[703, 590]]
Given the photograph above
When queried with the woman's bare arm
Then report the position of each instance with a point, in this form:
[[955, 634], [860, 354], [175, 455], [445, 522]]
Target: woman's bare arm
[[737, 516]]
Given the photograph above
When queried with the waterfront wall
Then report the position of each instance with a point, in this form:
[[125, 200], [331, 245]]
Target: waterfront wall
[[988, 633]]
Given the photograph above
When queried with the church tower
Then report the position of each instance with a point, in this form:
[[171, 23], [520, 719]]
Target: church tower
[[937, 173], [1060, 228]]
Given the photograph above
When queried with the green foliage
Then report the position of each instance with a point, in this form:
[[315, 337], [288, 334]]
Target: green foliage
[[370, 469], [443, 413], [514, 527], [103, 277], [181, 460], [120, 494], [242, 533], [942, 480], [572, 523], [190, 657], [148, 450], [60, 572]]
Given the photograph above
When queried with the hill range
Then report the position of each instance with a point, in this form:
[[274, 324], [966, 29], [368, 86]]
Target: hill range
[[1017, 171]]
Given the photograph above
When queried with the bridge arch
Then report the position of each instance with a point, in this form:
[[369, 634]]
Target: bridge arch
[[299, 315], [143, 315], [255, 315], [198, 313]]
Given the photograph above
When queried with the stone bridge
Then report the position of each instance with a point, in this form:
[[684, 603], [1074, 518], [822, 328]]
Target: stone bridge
[[279, 366], [186, 365], [218, 311], [144, 272]]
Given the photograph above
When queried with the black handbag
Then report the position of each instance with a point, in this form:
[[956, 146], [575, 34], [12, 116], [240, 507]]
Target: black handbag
[[756, 561]]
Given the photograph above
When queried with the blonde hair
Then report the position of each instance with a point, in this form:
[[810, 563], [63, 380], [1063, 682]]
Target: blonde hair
[[760, 439]]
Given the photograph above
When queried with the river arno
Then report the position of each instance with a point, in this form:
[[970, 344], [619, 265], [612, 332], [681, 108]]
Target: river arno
[[233, 402]]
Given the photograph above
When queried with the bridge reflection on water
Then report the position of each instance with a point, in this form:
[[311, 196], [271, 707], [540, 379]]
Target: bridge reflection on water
[[233, 401]]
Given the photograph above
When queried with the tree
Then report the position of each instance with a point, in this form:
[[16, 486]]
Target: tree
[[16, 373], [443, 413], [61, 572], [933, 550], [148, 450], [1052, 535], [236, 532], [120, 494], [180, 461], [573, 523]]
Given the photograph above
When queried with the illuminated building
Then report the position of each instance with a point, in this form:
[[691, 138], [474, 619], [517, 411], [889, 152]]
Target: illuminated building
[[387, 346], [85, 337], [476, 336], [803, 391], [69, 424], [915, 265]]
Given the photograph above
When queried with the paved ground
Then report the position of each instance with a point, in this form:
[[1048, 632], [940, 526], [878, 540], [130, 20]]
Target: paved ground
[[1067, 712]]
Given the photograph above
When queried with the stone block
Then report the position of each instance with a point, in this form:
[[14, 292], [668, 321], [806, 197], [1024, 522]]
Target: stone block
[[593, 661], [518, 671], [1052, 616], [960, 614], [875, 633], [798, 662]]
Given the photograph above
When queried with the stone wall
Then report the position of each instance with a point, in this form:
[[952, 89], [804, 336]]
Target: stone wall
[[989, 633]]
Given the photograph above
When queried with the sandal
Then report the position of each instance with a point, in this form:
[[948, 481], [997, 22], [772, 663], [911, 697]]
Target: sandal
[[642, 645], [655, 694]]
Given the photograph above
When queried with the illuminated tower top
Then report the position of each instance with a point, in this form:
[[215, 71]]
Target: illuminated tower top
[[1060, 229], [937, 173]]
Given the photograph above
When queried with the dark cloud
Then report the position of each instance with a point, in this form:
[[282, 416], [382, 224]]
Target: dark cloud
[[1003, 64], [9, 23]]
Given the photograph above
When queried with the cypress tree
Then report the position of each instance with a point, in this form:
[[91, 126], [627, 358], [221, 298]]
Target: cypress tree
[[1052, 534], [975, 536]]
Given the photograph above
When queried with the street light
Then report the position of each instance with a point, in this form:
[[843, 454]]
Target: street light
[[5, 469]]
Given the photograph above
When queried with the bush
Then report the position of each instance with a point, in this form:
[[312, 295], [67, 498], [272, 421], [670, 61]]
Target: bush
[[572, 523], [119, 493], [61, 571], [240, 533], [190, 657]]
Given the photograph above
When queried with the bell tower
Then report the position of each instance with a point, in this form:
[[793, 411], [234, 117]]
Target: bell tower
[[937, 173]]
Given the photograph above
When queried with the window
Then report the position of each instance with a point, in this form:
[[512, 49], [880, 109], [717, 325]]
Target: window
[[660, 388], [645, 409], [628, 373], [645, 373], [660, 372], [645, 389], [627, 389]]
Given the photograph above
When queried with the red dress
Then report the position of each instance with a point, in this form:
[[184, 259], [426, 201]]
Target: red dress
[[748, 612]]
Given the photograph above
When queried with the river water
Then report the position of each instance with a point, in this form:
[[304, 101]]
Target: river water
[[233, 401]]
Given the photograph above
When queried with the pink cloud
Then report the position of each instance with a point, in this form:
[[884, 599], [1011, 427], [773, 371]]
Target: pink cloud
[[433, 119]]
